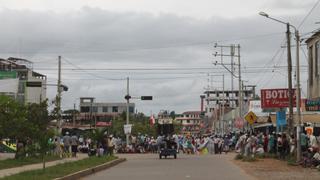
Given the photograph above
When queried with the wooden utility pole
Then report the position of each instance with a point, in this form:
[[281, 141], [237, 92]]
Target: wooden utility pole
[[59, 96], [290, 118]]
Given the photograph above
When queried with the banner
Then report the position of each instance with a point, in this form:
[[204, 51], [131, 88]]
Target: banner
[[312, 104], [9, 85], [127, 128], [281, 118], [277, 98], [8, 74], [239, 123]]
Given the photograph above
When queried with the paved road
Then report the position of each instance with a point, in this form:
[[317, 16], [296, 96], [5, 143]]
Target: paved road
[[193, 167]]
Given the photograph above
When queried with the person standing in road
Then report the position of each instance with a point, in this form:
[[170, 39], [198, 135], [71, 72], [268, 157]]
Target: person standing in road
[[110, 145], [303, 141], [66, 143], [74, 145]]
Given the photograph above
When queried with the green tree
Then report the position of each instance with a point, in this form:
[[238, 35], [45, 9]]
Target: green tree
[[97, 135]]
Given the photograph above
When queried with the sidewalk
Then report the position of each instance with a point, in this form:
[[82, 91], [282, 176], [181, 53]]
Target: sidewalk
[[16, 170], [268, 168]]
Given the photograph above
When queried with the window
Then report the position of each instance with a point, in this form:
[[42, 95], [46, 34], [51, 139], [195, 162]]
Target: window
[[131, 109], [21, 87], [84, 109], [188, 121], [317, 59], [104, 109], [310, 66], [94, 109], [115, 109]]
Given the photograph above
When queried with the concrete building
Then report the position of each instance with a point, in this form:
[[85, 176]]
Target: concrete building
[[24, 85], [222, 108], [94, 113], [313, 45], [191, 122]]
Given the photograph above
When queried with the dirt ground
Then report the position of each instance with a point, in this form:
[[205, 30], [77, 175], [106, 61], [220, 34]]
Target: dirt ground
[[267, 169]]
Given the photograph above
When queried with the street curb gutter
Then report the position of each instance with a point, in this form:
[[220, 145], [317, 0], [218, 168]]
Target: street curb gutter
[[89, 171]]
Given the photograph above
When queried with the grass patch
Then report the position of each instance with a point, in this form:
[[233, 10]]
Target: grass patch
[[244, 158], [61, 169], [292, 161], [249, 159], [238, 157], [11, 163]]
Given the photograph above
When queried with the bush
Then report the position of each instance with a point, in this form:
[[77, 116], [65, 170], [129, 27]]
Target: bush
[[238, 156], [291, 160], [249, 159]]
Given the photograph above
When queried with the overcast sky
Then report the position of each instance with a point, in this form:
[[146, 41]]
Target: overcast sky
[[104, 41]]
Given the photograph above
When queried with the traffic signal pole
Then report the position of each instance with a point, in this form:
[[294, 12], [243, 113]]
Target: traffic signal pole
[[127, 119]]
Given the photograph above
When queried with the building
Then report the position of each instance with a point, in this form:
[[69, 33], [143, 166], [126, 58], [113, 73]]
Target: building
[[190, 121], [19, 81], [222, 108], [313, 45], [96, 113]]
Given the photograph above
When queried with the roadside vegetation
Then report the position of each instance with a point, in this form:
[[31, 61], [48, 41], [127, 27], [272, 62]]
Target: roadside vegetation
[[61, 170], [11, 163]]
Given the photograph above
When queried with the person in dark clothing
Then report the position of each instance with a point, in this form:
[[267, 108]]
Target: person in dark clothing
[[285, 147]]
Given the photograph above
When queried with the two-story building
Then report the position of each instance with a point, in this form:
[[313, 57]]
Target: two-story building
[[19, 81], [190, 121], [313, 45], [98, 113]]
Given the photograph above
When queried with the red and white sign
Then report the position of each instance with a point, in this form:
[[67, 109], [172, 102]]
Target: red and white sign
[[152, 120], [276, 98], [239, 123], [103, 124]]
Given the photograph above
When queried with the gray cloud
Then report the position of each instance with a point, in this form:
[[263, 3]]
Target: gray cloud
[[96, 38]]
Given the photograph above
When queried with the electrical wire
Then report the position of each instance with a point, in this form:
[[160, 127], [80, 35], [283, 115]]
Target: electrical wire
[[304, 19]]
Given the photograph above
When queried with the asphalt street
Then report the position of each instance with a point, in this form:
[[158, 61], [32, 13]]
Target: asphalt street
[[185, 167]]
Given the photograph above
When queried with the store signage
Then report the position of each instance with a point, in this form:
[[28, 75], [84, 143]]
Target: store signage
[[312, 104], [276, 98]]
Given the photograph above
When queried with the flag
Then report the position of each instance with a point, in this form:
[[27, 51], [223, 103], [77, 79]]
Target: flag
[[152, 120]]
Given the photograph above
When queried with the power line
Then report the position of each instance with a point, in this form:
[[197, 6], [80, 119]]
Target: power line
[[151, 48], [304, 19], [89, 72]]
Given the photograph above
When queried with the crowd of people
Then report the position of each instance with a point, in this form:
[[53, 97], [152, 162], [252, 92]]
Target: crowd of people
[[280, 145]]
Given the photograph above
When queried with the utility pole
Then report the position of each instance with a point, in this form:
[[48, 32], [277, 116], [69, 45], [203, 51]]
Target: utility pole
[[290, 118], [232, 55], [127, 119], [232, 73], [59, 96], [74, 115], [223, 104], [240, 83], [298, 96]]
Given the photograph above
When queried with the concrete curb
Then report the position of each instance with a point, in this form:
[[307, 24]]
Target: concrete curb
[[89, 171]]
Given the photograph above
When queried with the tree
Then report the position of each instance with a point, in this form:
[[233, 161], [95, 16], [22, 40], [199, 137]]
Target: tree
[[13, 121], [97, 135]]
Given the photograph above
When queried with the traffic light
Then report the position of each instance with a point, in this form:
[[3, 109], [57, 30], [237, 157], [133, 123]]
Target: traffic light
[[146, 97], [127, 97]]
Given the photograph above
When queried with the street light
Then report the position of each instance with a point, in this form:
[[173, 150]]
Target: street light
[[298, 91]]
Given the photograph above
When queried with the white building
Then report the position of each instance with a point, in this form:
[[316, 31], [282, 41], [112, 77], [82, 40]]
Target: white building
[[25, 85]]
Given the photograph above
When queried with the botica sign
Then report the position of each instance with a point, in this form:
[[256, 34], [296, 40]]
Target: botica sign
[[276, 98]]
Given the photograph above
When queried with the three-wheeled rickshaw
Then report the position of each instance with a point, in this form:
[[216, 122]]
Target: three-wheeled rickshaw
[[167, 147]]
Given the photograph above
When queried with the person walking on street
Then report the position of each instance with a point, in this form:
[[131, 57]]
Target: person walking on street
[[110, 145], [74, 145], [66, 144]]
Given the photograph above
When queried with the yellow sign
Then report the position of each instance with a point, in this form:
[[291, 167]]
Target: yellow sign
[[251, 117]]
